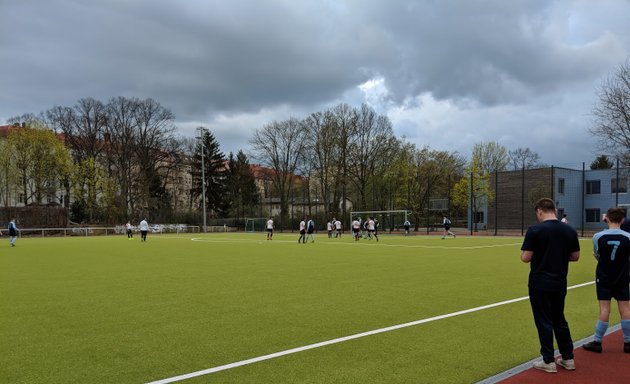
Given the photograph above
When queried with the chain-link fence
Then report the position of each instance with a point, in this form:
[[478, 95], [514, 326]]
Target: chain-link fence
[[501, 204], [581, 197]]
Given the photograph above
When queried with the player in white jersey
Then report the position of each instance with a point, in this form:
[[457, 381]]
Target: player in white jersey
[[371, 227], [302, 238], [270, 229], [338, 228], [356, 229]]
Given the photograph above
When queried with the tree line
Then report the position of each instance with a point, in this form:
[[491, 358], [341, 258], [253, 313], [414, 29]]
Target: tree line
[[108, 162]]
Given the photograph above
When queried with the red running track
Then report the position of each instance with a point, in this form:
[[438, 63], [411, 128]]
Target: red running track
[[612, 366]]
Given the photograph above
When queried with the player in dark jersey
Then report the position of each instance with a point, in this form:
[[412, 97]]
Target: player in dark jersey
[[611, 248], [549, 246]]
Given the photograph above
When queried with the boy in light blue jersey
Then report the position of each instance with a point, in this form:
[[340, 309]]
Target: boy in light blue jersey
[[611, 248]]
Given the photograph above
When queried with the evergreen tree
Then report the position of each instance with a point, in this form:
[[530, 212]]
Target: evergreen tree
[[602, 162], [242, 191], [215, 175]]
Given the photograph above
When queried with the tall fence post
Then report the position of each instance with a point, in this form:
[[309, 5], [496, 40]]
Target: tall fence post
[[617, 185], [496, 201], [523, 201], [472, 207], [583, 196]]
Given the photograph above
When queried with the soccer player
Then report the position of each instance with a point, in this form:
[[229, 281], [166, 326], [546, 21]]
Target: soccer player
[[371, 228], [338, 228], [144, 229], [611, 248], [549, 246], [302, 238], [129, 231], [329, 227], [356, 229], [310, 228], [13, 232], [407, 225], [447, 227], [270, 229]]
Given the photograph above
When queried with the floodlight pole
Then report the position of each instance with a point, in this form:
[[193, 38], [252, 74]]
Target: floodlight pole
[[202, 130]]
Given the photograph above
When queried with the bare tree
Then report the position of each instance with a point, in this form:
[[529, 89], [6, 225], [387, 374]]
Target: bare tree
[[120, 135], [612, 112], [156, 151], [280, 146], [83, 127], [321, 139], [369, 149], [344, 123], [524, 158]]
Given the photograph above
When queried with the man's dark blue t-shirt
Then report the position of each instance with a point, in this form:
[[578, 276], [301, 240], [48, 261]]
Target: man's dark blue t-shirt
[[552, 242]]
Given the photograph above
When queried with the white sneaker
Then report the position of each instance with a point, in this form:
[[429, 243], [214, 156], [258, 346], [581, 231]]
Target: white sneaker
[[569, 364], [547, 367]]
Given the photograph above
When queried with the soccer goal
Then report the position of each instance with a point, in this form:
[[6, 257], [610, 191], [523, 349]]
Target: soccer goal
[[387, 220], [255, 224]]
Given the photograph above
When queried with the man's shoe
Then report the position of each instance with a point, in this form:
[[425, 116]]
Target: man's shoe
[[569, 364], [593, 346], [547, 367], [626, 347]]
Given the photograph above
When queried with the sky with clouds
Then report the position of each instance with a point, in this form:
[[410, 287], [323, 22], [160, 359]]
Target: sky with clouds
[[448, 73]]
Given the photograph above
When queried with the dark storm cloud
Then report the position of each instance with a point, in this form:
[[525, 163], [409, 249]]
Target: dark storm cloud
[[236, 65], [193, 56]]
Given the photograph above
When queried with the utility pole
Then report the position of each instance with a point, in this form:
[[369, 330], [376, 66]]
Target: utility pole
[[202, 130]]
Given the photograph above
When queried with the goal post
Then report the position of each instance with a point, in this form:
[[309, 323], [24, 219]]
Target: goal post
[[387, 220], [255, 224]]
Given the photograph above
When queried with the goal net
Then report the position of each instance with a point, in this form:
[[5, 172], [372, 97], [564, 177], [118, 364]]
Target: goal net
[[255, 224], [387, 220]]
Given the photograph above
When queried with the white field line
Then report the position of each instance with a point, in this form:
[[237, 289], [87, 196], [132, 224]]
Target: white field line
[[358, 243], [342, 339]]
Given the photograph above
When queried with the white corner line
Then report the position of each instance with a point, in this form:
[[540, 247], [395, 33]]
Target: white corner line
[[342, 339]]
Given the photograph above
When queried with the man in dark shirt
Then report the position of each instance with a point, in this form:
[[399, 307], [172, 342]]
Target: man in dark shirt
[[611, 248], [549, 246]]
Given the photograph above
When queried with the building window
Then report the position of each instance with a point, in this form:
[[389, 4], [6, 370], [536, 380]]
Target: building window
[[623, 185], [592, 215], [593, 187], [561, 186]]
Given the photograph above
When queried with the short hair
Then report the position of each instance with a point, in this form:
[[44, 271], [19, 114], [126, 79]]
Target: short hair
[[615, 215], [545, 204]]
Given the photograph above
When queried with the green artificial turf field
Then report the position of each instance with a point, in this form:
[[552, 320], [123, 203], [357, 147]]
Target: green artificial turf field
[[108, 310]]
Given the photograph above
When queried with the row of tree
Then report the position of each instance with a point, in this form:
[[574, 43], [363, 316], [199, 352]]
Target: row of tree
[[121, 159]]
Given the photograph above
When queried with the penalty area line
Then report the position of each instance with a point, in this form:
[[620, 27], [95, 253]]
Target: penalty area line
[[343, 339]]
